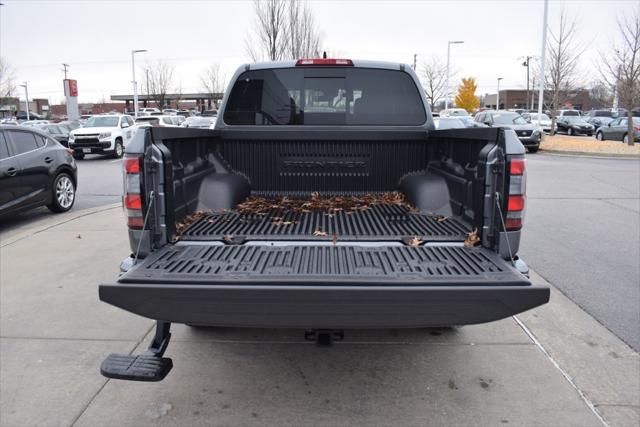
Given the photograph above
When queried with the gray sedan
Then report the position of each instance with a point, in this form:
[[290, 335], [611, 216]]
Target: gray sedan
[[617, 130]]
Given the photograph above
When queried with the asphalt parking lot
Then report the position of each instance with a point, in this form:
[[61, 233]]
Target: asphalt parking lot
[[556, 365]]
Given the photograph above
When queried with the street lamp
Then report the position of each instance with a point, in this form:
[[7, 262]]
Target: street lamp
[[135, 84], [446, 95], [498, 95], [26, 98]]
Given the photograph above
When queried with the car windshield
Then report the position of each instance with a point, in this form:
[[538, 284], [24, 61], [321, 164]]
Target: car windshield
[[571, 113], [604, 114], [98, 122], [508, 119], [324, 96]]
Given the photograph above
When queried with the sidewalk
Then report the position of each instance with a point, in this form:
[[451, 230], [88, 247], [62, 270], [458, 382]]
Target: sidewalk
[[55, 332]]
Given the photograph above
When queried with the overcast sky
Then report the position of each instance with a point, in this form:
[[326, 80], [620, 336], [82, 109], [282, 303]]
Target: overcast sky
[[96, 37]]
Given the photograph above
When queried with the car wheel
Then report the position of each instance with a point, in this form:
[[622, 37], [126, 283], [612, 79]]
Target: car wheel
[[78, 155], [533, 149], [625, 138], [590, 134], [570, 131], [64, 193], [118, 150], [599, 136]]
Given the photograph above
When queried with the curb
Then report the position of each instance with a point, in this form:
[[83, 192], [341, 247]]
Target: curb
[[49, 223], [591, 155]]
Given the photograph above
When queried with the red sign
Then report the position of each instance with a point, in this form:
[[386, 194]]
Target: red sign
[[71, 87]]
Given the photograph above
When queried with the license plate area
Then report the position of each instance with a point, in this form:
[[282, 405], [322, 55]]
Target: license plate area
[[86, 150]]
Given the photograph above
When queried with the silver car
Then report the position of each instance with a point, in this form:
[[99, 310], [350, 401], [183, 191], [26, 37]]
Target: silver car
[[617, 130]]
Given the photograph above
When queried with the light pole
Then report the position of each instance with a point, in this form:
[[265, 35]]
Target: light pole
[[446, 95], [498, 95], [26, 98], [542, 59], [135, 84]]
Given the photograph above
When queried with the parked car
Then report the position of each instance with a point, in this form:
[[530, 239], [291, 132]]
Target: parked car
[[209, 113], [104, 134], [618, 130], [574, 125], [22, 116], [71, 124], [59, 132], [9, 121], [528, 133], [148, 110], [157, 121], [170, 111], [210, 251], [565, 113], [453, 112], [448, 123], [598, 118], [185, 113], [544, 122], [199, 122], [35, 170], [34, 122], [469, 122]]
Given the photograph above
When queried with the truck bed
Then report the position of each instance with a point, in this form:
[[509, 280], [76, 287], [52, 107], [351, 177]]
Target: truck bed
[[384, 222]]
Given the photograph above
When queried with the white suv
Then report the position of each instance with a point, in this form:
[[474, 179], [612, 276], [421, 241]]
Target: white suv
[[105, 134]]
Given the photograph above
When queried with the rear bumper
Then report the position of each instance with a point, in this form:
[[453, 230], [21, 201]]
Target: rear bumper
[[337, 307]]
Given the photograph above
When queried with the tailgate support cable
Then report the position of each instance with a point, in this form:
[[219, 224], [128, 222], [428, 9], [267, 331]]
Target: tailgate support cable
[[504, 227], [144, 226]]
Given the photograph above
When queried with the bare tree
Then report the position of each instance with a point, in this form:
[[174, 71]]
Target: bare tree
[[303, 38], [600, 95], [7, 80], [434, 74], [270, 31], [213, 80], [561, 74], [159, 82], [622, 67]]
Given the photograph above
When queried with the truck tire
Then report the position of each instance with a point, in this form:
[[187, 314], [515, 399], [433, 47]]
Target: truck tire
[[118, 149], [599, 136], [78, 155], [63, 193]]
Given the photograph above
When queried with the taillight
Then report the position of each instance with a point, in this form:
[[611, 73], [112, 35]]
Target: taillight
[[132, 198], [324, 61], [516, 198]]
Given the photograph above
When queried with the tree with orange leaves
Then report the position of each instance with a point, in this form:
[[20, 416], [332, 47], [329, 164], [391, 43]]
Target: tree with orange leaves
[[466, 97]]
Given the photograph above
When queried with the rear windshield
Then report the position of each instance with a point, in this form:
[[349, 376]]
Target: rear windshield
[[571, 113], [604, 114], [324, 96]]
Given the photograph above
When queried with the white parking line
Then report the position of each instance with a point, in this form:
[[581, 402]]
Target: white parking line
[[564, 373], [115, 160]]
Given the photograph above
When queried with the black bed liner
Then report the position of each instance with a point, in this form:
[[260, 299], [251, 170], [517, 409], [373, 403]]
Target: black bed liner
[[197, 263], [383, 222]]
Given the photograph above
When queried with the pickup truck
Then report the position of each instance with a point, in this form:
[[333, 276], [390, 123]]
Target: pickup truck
[[324, 200], [103, 134]]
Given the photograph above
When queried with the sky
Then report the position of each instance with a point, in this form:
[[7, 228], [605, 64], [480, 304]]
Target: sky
[[96, 38]]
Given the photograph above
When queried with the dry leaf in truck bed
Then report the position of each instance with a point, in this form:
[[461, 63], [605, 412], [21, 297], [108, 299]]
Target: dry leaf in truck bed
[[415, 241], [440, 218], [228, 238], [320, 233], [335, 239], [472, 239]]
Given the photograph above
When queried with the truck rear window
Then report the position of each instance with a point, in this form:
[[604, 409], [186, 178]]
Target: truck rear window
[[325, 96]]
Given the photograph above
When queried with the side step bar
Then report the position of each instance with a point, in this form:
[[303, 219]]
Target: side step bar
[[149, 366]]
